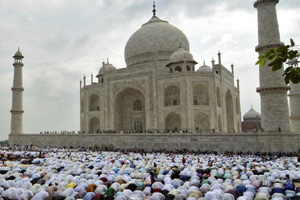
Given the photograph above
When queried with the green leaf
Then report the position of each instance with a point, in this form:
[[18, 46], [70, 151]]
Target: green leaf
[[294, 73], [262, 63], [276, 57], [287, 70], [292, 42], [287, 78], [259, 61], [271, 63], [277, 65], [296, 79]]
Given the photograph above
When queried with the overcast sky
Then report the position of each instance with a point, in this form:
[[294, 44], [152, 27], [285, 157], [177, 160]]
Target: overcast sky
[[64, 39]]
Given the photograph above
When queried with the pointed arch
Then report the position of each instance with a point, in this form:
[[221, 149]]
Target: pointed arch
[[178, 69], [172, 96], [129, 110], [188, 68], [94, 103], [138, 125], [201, 122], [173, 121], [229, 112], [200, 95], [94, 124]]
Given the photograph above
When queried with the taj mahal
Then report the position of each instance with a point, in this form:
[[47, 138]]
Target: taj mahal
[[160, 88], [162, 92]]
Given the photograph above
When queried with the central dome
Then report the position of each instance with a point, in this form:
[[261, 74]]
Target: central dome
[[154, 36]]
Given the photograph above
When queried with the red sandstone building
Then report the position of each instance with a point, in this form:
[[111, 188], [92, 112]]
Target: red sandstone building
[[252, 121]]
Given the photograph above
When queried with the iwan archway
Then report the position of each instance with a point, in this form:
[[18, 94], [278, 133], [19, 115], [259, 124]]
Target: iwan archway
[[129, 111]]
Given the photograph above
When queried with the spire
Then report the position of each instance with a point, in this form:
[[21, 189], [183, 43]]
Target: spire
[[154, 10], [219, 56]]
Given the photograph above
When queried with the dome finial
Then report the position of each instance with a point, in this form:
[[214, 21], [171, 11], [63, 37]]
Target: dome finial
[[154, 10], [203, 62]]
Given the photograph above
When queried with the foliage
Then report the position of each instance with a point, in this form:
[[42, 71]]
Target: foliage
[[3, 142], [278, 56]]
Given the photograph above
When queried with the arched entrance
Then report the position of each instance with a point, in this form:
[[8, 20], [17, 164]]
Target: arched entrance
[[94, 103], [173, 122], [172, 96], [129, 110], [201, 122], [200, 95], [94, 124]]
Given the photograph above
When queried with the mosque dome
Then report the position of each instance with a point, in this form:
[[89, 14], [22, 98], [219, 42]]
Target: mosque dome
[[204, 69], [251, 115], [154, 37], [107, 67]]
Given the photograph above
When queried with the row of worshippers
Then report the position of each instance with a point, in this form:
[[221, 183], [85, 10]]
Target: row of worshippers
[[154, 176]]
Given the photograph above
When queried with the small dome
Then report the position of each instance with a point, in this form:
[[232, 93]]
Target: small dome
[[154, 37], [18, 54], [181, 55], [252, 115], [204, 69], [107, 67]]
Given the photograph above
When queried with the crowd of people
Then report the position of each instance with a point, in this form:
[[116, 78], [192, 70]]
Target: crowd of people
[[56, 174], [58, 132], [191, 131]]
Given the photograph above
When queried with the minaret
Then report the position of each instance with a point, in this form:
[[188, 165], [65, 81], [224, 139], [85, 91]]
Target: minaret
[[17, 96], [272, 90], [295, 102]]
